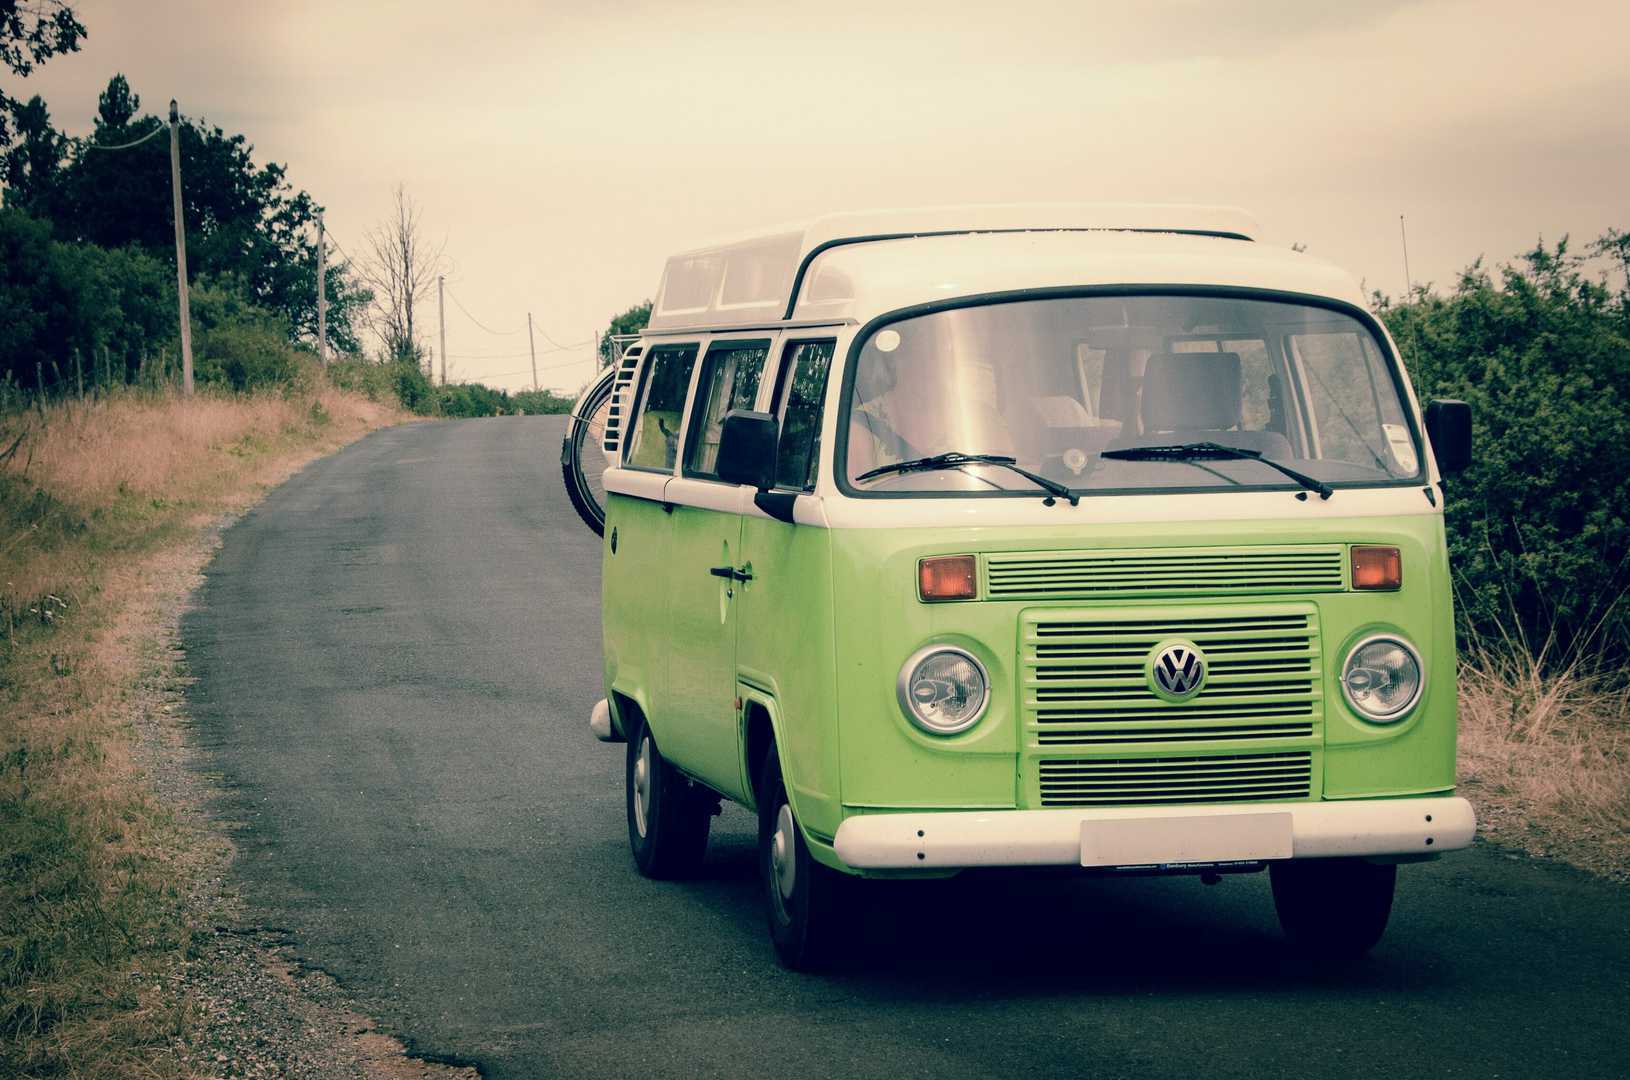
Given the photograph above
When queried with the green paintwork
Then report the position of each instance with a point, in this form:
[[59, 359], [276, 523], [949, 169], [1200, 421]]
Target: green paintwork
[[821, 631]]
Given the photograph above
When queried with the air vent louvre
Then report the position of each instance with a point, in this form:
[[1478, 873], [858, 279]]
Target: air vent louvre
[[1145, 781], [620, 397], [1168, 572]]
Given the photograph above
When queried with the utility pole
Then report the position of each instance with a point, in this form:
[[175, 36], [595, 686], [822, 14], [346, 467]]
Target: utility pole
[[1409, 282], [180, 251], [441, 317], [533, 349], [322, 295]]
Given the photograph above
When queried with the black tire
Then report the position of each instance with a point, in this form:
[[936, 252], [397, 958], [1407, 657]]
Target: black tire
[[1333, 909], [809, 923], [581, 456], [668, 820]]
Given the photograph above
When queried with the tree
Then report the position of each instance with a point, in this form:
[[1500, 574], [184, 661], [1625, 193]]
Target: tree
[[631, 321], [31, 32], [1539, 533], [399, 272], [245, 221], [30, 167]]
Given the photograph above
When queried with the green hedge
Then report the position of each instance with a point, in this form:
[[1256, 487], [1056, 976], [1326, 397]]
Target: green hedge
[[1539, 542]]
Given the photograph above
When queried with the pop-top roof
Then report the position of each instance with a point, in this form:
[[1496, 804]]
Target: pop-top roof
[[754, 279]]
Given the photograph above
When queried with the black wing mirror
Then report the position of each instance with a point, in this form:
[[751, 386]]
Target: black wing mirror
[[747, 449], [747, 452], [1449, 429]]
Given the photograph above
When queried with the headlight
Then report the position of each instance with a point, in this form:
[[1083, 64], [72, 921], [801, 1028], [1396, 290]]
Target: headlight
[[1382, 678], [943, 689]]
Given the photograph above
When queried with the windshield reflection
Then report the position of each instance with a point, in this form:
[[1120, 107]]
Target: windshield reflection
[[1054, 383]]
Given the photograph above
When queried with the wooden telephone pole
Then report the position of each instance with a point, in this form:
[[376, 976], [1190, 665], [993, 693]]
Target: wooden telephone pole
[[322, 296], [533, 349], [441, 316], [180, 251]]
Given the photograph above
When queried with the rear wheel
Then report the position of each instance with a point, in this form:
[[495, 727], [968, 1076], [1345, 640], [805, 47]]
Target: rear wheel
[[582, 457], [805, 901], [668, 816], [1335, 909]]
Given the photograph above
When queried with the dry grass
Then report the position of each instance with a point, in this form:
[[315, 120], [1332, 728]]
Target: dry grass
[[1545, 755], [100, 504]]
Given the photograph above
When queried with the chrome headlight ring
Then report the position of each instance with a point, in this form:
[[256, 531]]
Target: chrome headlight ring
[[918, 695], [1350, 674]]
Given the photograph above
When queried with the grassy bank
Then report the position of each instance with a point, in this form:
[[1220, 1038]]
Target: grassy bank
[[103, 507], [1545, 756]]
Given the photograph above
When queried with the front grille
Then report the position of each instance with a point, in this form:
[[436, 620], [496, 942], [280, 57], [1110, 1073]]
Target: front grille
[[1085, 682], [1145, 781], [1169, 572]]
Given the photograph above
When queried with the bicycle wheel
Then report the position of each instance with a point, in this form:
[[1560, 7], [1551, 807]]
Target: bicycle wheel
[[583, 459]]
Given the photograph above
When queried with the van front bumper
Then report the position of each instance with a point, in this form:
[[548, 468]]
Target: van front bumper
[[1154, 836]]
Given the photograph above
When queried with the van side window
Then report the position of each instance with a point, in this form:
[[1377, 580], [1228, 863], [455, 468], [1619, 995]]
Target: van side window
[[653, 440], [729, 381], [800, 397]]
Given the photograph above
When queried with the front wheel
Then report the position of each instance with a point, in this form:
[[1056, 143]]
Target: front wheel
[[1335, 909], [668, 816], [805, 900]]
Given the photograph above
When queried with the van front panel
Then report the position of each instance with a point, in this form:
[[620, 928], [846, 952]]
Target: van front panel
[[1072, 718]]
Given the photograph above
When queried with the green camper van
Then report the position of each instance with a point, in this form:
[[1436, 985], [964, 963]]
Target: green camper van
[[1101, 537]]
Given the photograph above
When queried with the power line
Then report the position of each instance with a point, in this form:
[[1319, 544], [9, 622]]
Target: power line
[[124, 146], [341, 248], [478, 322], [515, 355]]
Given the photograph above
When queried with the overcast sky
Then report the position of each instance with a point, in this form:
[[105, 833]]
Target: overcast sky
[[563, 150]]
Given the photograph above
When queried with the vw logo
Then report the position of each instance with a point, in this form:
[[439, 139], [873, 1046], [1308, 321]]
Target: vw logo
[[1177, 670]]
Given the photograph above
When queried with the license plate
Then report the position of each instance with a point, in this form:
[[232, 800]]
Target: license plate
[[1161, 841]]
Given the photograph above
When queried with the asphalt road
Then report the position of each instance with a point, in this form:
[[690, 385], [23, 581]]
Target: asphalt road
[[395, 658]]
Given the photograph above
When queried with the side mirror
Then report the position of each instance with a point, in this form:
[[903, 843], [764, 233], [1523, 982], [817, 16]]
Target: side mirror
[[1449, 429], [747, 447]]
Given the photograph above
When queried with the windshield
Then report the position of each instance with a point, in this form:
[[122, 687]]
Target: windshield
[[1054, 383]]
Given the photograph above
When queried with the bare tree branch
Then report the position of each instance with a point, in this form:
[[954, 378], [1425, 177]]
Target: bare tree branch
[[400, 269]]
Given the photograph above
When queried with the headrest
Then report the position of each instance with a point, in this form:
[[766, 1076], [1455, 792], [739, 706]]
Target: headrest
[[1192, 391]]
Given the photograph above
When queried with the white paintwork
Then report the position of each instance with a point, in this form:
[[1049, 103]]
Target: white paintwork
[[1152, 509], [747, 280], [1071, 245], [861, 281], [640, 483], [969, 838], [600, 722]]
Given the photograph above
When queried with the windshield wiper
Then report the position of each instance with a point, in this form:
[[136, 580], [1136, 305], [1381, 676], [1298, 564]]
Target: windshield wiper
[[953, 459], [1210, 451]]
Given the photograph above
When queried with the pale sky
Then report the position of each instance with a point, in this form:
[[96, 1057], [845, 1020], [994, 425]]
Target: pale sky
[[563, 150]]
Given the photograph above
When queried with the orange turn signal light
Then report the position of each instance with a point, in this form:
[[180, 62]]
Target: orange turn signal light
[[948, 577], [1377, 568]]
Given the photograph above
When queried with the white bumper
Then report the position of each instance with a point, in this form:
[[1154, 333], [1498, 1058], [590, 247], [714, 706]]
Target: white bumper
[[1154, 836], [600, 722]]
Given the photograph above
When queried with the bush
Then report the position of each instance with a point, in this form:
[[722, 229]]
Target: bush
[[412, 386], [539, 402], [110, 309], [1538, 535]]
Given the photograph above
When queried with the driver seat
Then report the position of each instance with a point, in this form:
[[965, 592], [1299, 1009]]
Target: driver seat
[[1198, 397]]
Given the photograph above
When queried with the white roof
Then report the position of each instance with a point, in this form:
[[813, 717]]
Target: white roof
[[751, 280], [859, 282]]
